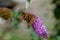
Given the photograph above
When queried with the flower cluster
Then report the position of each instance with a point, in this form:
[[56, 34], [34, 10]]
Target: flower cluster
[[5, 13], [39, 28]]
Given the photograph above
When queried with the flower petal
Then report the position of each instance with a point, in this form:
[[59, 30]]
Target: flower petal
[[39, 28]]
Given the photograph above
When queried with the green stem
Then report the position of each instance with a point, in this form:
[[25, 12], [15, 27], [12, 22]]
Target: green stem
[[17, 21], [16, 24], [34, 35], [27, 3]]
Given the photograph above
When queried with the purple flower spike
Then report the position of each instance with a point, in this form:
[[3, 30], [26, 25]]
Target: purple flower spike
[[39, 28]]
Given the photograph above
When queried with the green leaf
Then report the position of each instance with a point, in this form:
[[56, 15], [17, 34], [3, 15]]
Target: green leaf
[[58, 37], [15, 14]]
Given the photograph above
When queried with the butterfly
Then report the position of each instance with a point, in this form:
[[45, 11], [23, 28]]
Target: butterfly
[[29, 18]]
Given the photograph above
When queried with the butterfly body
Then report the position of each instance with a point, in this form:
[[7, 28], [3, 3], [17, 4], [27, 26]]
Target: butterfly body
[[29, 18]]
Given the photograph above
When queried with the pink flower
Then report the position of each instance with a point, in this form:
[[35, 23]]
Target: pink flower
[[39, 28]]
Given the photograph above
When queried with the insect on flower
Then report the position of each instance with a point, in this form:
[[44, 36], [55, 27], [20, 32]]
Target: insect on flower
[[5, 13], [36, 23], [28, 17]]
